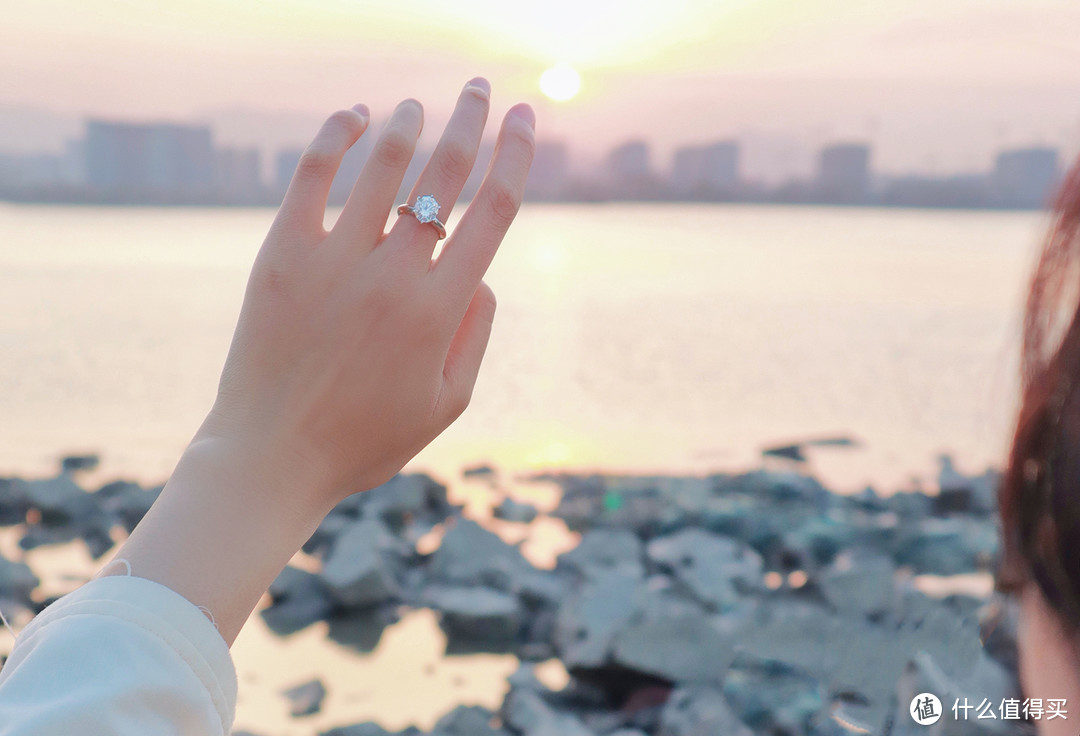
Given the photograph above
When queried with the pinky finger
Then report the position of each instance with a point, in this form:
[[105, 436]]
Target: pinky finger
[[466, 352]]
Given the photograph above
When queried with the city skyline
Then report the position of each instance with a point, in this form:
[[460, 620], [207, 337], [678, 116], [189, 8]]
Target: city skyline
[[935, 85], [168, 162]]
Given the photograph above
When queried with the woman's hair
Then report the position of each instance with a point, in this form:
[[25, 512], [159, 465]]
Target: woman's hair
[[1039, 495]]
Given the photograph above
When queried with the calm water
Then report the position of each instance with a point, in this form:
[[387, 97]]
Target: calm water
[[629, 338]]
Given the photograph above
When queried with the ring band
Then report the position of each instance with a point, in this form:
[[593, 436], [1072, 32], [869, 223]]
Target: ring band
[[425, 210]]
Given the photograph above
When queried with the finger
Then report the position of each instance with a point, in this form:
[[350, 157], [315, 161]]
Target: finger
[[465, 354], [304, 205], [363, 218], [449, 168], [468, 253]]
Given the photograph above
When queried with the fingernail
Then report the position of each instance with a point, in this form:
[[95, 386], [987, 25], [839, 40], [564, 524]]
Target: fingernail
[[362, 109], [525, 112], [479, 83]]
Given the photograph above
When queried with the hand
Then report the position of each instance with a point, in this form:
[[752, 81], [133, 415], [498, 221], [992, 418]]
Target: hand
[[354, 349], [352, 352]]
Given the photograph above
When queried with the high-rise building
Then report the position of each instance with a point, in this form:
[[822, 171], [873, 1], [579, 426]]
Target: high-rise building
[[285, 164], [844, 173], [706, 171], [1025, 177], [149, 160], [628, 171]]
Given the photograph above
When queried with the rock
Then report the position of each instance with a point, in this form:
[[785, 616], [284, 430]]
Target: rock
[[999, 628], [961, 493], [740, 518], [361, 628], [700, 711], [132, 503], [322, 539], [72, 463], [773, 699], [859, 582], [468, 720], [13, 504], [511, 510], [363, 566], [17, 581], [717, 570], [524, 677], [679, 645], [478, 471], [476, 614], [587, 623], [818, 540], [408, 504], [947, 546], [987, 683], [910, 505], [471, 555], [781, 488], [41, 535], [58, 499], [306, 698], [525, 711], [604, 551], [540, 589], [857, 657], [788, 452], [359, 729], [97, 539], [299, 599]]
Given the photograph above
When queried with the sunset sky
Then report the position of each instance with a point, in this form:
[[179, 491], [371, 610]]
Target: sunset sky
[[937, 84]]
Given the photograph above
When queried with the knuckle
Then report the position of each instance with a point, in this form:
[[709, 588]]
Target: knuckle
[[316, 163], [275, 278], [504, 202], [454, 162], [523, 137], [395, 150]]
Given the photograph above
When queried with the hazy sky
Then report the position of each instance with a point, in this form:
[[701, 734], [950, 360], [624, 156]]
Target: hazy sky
[[937, 84]]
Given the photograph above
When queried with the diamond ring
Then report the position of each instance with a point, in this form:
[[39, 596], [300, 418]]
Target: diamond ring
[[426, 209]]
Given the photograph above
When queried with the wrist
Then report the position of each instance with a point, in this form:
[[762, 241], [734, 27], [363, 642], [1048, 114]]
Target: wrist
[[263, 468], [223, 528]]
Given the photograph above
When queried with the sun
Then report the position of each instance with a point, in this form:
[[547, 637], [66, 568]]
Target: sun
[[560, 82]]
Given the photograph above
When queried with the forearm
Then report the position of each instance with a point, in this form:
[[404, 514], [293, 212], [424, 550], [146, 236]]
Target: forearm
[[222, 529]]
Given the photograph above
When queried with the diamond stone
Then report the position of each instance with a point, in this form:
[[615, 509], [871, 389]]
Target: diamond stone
[[426, 208]]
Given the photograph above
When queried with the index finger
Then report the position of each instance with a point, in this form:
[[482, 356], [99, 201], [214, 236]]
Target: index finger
[[468, 252]]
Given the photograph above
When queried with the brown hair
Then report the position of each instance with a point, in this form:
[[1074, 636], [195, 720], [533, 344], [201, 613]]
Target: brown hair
[[1039, 496]]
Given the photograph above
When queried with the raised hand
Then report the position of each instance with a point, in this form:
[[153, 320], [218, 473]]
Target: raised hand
[[354, 349]]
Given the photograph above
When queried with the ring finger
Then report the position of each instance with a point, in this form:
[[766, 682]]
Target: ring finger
[[446, 173]]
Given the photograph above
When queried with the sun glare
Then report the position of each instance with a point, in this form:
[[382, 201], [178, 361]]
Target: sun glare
[[560, 82]]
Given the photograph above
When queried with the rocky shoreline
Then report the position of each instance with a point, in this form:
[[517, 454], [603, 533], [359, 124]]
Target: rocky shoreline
[[754, 603]]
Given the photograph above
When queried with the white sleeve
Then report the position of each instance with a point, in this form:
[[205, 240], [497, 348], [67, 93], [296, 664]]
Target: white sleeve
[[119, 656]]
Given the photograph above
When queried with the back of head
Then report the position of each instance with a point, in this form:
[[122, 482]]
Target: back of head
[[1039, 497]]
